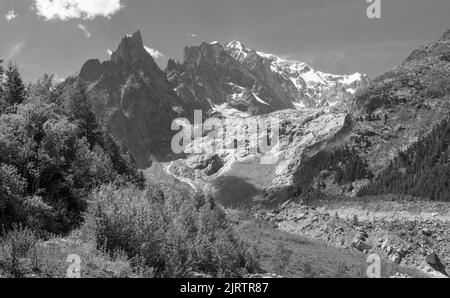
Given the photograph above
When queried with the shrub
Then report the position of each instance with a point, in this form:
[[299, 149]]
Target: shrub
[[446, 57], [308, 271], [281, 258], [174, 233], [17, 245], [12, 187]]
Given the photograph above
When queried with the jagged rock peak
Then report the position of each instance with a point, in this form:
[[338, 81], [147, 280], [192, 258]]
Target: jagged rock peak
[[131, 50], [238, 50], [237, 45], [135, 38], [204, 53]]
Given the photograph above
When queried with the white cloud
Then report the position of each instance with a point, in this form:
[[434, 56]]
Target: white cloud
[[192, 35], [76, 9], [85, 30], [155, 53], [11, 15], [109, 52]]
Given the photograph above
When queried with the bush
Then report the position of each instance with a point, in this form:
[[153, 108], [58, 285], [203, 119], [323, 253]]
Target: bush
[[446, 57], [281, 259], [12, 188], [174, 233], [17, 245]]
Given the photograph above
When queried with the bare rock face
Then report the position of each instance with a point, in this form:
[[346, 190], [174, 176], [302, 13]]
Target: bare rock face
[[243, 178], [209, 164], [434, 261], [236, 77], [132, 96], [211, 77]]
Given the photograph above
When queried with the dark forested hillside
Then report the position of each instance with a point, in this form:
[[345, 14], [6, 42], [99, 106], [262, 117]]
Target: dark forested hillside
[[52, 154], [421, 171]]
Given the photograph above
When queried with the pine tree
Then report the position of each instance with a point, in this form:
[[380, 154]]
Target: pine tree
[[1, 83], [422, 171], [79, 108], [1, 71], [13, 87]]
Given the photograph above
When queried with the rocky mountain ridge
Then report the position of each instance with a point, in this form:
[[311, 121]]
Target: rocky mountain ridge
[[138, 101], [396, 110], [336, 151], [133, 98], [306, 87]]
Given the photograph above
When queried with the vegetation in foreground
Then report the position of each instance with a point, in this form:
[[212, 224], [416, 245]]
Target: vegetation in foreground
[[129, 232], [66, 187]]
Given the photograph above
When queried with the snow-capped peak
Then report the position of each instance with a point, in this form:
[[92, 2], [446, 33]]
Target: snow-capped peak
[[352, 78], [310, 85], [237, 45], [237, 50], [316, 87], [295, 69]]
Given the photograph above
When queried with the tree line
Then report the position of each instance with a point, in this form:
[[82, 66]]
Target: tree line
[[421, 171], [53, 152]]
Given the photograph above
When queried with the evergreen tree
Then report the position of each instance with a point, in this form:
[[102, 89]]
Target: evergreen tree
[[13, 86], [52, 154], [79, 108], [1, 73], [1, 85], [422, 171]]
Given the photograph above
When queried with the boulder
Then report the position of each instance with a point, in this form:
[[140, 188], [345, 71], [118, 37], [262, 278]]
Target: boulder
[[434, 261], [426, 232], [360, 245], [395, 258], [362, 232]]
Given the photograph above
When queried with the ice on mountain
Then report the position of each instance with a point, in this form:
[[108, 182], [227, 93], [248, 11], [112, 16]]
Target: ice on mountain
[[259, 99]]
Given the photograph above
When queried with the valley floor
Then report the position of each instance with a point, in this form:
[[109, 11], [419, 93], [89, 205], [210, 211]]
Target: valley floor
[[334, 238], [413, 235]]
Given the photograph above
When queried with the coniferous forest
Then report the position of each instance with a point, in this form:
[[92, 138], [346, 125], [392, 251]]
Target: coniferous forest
[[422, 171]]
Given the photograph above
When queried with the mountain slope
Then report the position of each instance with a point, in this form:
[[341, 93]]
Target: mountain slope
[[399, 109], [235, 77], [137, 101], [132, 96], [306, 87], [213, 78], [335, 152], [421, 171]]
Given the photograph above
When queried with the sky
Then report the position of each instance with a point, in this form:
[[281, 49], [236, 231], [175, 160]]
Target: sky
[[58, 36]]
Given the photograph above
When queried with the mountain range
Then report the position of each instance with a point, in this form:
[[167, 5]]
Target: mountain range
[[138, 101], [338, 132]]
